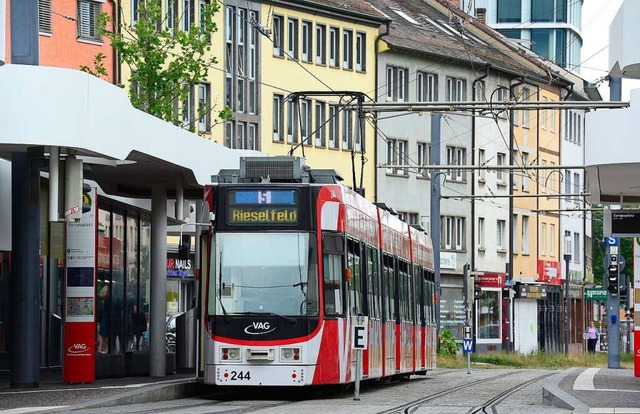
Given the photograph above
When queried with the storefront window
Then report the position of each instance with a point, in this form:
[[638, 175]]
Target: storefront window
[[136, 322], [145, 273], [104, 280], [452, 311], [118, 331], [489, 315]]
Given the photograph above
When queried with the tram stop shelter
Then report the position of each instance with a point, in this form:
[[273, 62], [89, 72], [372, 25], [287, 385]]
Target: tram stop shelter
[[48, 116]]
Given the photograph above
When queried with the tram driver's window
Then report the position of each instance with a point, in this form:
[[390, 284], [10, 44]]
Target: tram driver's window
[[333, 269]]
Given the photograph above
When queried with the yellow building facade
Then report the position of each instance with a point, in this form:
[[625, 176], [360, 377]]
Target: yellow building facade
[[321, 50]]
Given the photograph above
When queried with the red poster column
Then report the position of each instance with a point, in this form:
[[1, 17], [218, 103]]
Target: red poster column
[[79, 364]]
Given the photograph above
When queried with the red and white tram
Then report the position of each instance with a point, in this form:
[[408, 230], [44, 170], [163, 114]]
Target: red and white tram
[[291, 263]]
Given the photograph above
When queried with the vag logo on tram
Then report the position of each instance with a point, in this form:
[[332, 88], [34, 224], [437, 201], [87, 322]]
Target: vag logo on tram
[[259, 328]]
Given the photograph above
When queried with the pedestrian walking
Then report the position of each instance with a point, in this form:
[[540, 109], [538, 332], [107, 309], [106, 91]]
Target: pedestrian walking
[[594, 334]]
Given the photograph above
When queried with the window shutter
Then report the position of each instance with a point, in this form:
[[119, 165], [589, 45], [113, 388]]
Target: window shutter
[[44, 16], [87, 19]]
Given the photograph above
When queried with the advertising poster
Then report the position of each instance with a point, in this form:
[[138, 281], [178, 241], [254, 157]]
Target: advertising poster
[[80, 306]]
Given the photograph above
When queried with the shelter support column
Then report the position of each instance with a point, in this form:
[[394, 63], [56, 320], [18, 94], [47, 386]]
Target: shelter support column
[[24, 285], [158, 279]]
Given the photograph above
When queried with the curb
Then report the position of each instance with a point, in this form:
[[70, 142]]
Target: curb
[[148, 394], [553, 396]]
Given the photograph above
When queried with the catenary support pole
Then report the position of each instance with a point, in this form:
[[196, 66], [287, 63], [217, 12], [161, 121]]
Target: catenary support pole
[[436, 121], [613, 301], [567, 259], [158, 279]]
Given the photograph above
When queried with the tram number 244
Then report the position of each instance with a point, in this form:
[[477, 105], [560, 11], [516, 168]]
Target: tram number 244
[[239, 375]]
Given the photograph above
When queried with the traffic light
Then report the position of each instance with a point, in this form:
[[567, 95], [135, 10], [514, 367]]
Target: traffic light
[[477, 291], [87, 200], [612, 279]]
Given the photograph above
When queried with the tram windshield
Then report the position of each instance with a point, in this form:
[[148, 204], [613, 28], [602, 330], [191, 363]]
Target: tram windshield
[[264, 273]]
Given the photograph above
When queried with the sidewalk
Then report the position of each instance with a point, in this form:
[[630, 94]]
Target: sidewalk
[[54, 396], [594, 390]]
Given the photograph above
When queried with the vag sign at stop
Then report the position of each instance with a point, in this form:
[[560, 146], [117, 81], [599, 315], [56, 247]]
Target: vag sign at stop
[[359, 337]]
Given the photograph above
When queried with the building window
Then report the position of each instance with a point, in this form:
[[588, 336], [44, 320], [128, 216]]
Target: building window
[[305, 121], [397, 86], [88, 12], [525, 173], [171, 12], [427, 87], [409, 218], [552, 240], [482, 160], [252, 138], [549, 11], [333, 126], [292, 38], [320, 124], [278, 35], [456, 90], [321, 39], [242, 136], [514, 232], [526, 96], [228, 134], [188, 14], [252, 65], [347, 129], [396, 156], [543, 177], [307, 42], [424, 158], [576, 247], [500, 241], [357, 135], [334, 47], [361, 52], [278, 110], [490, 315], [187, 109], [576, 186], [525, 234], [456, 156], [347, 49], [481, 243], [44, 16], [291, 122], [500, 175], [204, 107], [452, 231], [543, 239], [509, 11]]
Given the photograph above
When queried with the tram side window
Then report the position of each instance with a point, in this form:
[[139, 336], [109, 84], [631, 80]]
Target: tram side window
[[373, 283], [355, 284], [388, 287], [333, 268], [430, 289], [419, 296], [404, 291]]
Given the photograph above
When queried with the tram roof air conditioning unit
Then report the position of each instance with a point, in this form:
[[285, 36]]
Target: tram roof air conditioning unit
[[273, 169]]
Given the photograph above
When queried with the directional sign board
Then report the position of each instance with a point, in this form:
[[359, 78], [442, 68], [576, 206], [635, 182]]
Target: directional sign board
[[467, 346], [595, 294], [359, 338]]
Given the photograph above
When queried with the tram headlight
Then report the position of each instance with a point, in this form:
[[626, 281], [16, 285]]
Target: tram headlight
[[230, 354], [289, 354]]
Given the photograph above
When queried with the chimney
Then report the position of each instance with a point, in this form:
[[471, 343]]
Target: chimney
[[455, 3], [481, 15]]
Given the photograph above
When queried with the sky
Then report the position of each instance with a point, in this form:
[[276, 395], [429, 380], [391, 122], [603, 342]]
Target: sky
[[596, 18]]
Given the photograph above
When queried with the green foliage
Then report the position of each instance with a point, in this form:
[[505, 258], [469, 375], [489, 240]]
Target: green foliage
[[164, 61], [448, 344], [98, 66]]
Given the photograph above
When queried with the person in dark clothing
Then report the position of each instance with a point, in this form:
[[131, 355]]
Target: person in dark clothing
[[139, 321]]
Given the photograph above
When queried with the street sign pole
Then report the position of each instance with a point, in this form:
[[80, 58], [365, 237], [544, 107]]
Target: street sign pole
[[467, 324], [359, 342]]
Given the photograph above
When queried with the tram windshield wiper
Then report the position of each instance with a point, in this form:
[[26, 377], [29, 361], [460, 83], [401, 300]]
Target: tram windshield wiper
[[220, 288], [289, 319]]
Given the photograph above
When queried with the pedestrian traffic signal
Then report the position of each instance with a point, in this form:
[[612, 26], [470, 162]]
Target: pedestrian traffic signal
[[477, 290], [612, 279]]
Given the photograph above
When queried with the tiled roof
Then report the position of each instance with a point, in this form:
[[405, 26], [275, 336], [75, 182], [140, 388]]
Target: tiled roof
[[361, 7], [417, 25]]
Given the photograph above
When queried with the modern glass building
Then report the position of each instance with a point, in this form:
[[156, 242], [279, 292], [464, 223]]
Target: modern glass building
[[551, 28]]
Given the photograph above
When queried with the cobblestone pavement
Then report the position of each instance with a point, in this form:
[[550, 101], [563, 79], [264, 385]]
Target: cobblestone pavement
[[478, 388]]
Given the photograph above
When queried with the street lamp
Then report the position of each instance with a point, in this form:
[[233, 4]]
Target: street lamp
[[567, 259]]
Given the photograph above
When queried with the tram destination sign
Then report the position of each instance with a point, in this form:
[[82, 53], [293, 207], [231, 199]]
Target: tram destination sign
[[263, 207], [623, 223]]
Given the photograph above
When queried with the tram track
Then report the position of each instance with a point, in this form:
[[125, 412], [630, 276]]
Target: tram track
[[411, 406]]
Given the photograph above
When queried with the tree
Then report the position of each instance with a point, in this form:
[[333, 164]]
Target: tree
[[165, 60]]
